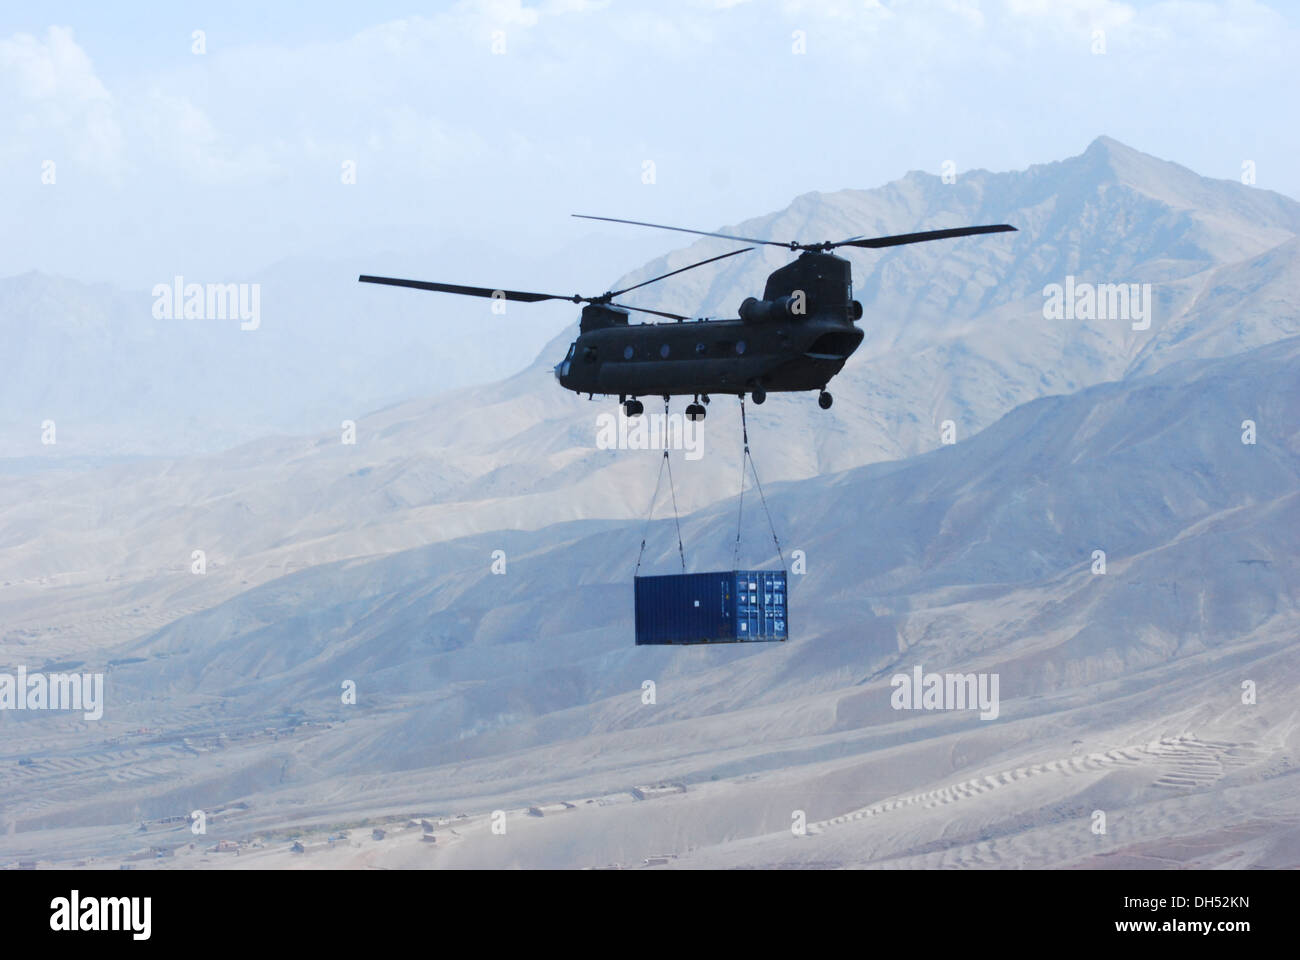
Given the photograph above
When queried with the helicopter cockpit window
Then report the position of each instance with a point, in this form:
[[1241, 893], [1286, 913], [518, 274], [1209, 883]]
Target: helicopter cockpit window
[[627, 352], [573, 346]]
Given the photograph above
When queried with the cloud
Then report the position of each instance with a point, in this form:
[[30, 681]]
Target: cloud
[[51, 96], [51, 71]]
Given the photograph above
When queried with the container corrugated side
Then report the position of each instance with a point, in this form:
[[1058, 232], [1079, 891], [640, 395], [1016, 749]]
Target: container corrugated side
[[723, 607]]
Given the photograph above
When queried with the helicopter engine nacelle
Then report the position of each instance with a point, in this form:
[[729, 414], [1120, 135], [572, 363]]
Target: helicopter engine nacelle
[[753, 310]]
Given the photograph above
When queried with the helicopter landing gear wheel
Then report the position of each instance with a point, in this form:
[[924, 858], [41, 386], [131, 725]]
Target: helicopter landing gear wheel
[[824, 400], [633, 408], [695, 411], [758, 395]]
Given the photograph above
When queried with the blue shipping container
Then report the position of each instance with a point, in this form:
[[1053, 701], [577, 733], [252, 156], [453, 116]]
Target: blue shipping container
[[732, 606]]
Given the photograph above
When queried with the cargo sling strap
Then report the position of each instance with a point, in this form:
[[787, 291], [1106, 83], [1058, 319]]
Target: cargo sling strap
[[747, 456], [664, 463]]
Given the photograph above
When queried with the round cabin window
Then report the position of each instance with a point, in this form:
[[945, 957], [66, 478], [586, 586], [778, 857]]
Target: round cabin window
[[699, 348], [627, 353], [740, 346], [663, 351]]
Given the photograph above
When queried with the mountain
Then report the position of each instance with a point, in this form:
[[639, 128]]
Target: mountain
[[1153, 470], [1119, 690], [370, 563], [955, 330], [119, 381]]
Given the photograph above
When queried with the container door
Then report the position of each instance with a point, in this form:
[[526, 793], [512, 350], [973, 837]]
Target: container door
[[749, 611], [778, 605]]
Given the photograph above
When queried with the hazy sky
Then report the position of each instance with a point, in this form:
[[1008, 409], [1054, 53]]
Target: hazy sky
[[219, 163]]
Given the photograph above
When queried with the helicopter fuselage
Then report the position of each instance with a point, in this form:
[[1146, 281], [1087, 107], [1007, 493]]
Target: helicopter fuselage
[[708, 356], [796, 338]]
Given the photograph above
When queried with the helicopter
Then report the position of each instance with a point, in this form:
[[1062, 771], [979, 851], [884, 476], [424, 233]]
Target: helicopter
[[797, 337]]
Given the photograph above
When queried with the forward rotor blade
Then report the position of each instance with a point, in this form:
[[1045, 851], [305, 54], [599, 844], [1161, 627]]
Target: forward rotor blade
[[902, 238], [702, 233], [521, 296], [615, 293], [516, 295]]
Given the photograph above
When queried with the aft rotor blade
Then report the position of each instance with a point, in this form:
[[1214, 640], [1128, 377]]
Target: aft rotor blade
[[702, 233], [902, 238], [643, 283], [657, 313], [516, 295]]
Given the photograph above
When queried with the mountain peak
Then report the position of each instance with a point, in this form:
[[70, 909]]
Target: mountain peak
[[1130, 165], [1107, 160], [1109, 145]]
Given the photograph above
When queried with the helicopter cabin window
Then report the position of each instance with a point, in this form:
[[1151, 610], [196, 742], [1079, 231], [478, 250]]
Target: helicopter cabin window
[[740, 346], [663, 351], [627, 352], [699, 348]]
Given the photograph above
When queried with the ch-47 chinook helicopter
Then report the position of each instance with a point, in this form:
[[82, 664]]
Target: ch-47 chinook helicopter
[[797, 337]]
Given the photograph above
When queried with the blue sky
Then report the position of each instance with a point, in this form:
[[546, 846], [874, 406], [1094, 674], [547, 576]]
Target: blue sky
[[167, 161]]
